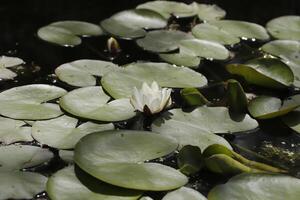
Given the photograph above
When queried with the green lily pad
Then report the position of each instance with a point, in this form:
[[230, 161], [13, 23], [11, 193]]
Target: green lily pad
[[83, 186], [29, 102], [83, 73], [285, 27], [130, 24], [266, 72], [189, 160], [193, 97], [206, 31], [117, 157], [206, 49], [236, 97], [292, 119], [288, 51], [67, 156], [66, 33], [168, 8], [21, 185], [63, 132], [265, 107], [92, 103], [15, 157], [205, 120], [184, 193], [242, 29], [162, 41], [208, 12], [197, 127], [14, 131], [257, 186], [120, 84], [8, 62]]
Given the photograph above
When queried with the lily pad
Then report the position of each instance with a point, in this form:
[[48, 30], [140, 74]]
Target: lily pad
[[206, 31], [21, 185], [266, 72], [29, 102], [83, 186], [285, 27], [117, 157], [83, 73], [242, 29], [292, 119], [257, 186], [15, 157], [184, 193], [168, 8], [236, 97], [14, 131], [66, 33], [120, 84], [208, 12], [92, 103], [8, 62], [265, 107], [162, 41], [130, 24], [288, 51], [63, 132], [67, 156], [197, 127]]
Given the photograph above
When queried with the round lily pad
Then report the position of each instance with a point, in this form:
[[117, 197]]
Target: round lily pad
[[206, 31], [15, 157], [208, 12], [92, 103], [266, 72], [289, 52], [21, 185], [285, 27], [8, 62], [242, 29], [66, 33], [82, 73], [67, 156], [63, 132], [168, 8], [14, 131], [29, 102], [83, 186], [265, 107], [184, 193], [258, 186], [292, 119], [117, 157], [130, 24], [120, 84], [161, 41]]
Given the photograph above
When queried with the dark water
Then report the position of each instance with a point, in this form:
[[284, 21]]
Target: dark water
[[20, 19]]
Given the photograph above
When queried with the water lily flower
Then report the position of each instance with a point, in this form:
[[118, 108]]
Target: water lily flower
[[113, 46], [151, 99]]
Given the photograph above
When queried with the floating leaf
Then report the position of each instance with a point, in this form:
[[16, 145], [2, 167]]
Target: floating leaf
[[257, 186], [162, 41], [92, 103], [13, 131], [265, 107], [83, 186], [285, 27], [242, 29], [67, 156], [117, 157], [207, 12], [27, 102], [206, 31], [120, 84], [63, 132], [168, 8], [288, 51], [236, 97], [292, 119], [8, 62], [66, 33], [189, 159], [184, 193], [130, 24], [21, 185], [82, 73], [15, 157], [266, 72], [193, 97]]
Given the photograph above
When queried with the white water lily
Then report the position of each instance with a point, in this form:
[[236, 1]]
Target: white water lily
[[152, 99]]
